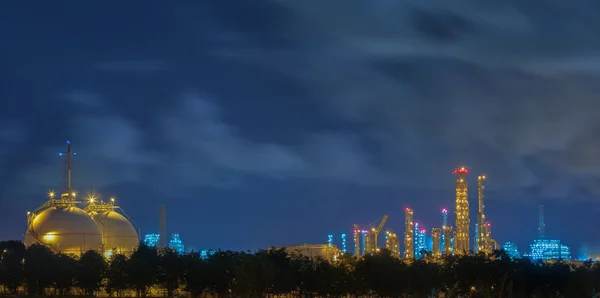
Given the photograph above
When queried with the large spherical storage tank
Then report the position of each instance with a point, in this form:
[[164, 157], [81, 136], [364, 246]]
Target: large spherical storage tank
[[118, 233], [66, 229]]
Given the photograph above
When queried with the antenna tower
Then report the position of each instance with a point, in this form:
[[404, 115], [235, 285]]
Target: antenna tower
[[67, 172]]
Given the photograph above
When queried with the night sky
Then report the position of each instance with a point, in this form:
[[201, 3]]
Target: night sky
[[277, 122]]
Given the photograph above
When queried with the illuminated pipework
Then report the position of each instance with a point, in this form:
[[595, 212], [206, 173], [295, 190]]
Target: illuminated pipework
[[392, 243], [344, 243], [409, 244], [463, 223], [436, 234], [447, 234]]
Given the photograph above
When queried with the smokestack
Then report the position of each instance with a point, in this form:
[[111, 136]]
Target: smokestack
[[162, 227], [541, 224]]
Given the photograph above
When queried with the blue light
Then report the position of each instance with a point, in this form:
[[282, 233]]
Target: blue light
[[344, 243], [60, 154], [68, 142], [151, 240], [176, 244]]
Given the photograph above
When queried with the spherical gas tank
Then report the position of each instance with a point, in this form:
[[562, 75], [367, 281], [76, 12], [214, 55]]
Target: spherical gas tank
[[66, 229], [118, 233]]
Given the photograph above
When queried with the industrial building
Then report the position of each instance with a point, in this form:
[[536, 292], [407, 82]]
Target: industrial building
[[175, 243], [545, 249], [66, 225], [511, 250], [325, 251]]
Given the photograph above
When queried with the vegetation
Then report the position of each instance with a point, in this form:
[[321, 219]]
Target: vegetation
[[37, 271]]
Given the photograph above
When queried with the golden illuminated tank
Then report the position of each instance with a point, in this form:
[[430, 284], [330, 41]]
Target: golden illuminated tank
[[63, 227], [118, 233]]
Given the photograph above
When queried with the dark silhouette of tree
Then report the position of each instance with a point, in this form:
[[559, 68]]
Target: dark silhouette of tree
[[384, 274], [277, 273], [222, 266], [90, 273], [141, 269], [64, 272], [12, 254], [252, 275], [280, 275], [170, 270], [116, 278], [38, 269], [195, 274]]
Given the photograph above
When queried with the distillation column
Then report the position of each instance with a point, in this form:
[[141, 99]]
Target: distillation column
[[463, 223], [483, 244], [436, 234], [356, 237], [409, 234], [447, 240]]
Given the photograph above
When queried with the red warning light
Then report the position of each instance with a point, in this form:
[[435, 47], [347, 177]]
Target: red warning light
[[461, 170]]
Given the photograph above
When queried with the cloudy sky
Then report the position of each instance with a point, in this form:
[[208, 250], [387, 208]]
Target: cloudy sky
[[273, 122]]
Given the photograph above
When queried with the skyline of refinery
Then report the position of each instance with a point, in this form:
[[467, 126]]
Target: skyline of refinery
[[445, 239]]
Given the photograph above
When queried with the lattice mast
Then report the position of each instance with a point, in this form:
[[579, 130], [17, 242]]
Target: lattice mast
[[463, 223], [68, 191]]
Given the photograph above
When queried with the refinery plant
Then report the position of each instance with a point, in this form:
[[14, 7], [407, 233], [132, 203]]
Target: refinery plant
[[160, 240], [67, 225], [442, 240]]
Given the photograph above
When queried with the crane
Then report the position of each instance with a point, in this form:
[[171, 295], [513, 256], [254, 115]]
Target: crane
[[371, 239], [376, 232]]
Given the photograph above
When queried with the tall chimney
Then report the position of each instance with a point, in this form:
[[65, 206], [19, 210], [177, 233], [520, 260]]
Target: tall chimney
[[162, 229]]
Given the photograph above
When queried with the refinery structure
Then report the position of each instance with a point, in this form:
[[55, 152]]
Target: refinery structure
[[440, 241], [447, 240], [66, 225]]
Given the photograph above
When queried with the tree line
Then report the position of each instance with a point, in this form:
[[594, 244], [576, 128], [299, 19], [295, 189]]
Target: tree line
[[37, 271]]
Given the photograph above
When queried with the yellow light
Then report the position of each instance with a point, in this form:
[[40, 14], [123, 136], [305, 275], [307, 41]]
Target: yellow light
[[73, 194], [28, 212], [51, 194], [92, 200], [49, 237], [112, 199]]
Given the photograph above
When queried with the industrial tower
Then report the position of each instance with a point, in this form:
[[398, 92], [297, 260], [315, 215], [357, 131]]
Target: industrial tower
[[461, 241], [447, 232], [436, 234], [409, 234], [483, 240], [392, 243]]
